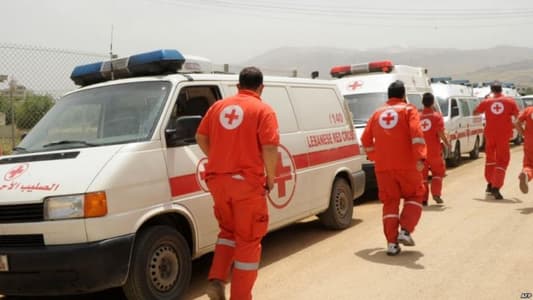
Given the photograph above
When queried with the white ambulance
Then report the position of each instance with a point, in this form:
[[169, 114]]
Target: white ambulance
[[365, 86], [107, 189], [457, 104], [527, 100]]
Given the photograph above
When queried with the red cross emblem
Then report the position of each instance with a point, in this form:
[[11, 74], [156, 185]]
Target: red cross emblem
[[388, 119], [285, 181], [231, 117], [426, 124], [16, 172], [200, 174], [356, 84], [496, 108]]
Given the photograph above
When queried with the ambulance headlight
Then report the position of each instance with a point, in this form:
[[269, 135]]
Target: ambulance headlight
[[87, 205]]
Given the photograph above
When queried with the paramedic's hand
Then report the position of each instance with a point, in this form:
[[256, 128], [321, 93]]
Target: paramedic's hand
[[269, 183], [420, 165]]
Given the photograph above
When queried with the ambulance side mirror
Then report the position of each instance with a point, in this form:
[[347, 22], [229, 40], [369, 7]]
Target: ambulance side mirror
[[182, 131]]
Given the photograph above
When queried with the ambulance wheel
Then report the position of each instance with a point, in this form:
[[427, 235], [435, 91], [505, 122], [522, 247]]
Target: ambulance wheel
[[475, 152], [340, 210], [455, 157], [160, 267]]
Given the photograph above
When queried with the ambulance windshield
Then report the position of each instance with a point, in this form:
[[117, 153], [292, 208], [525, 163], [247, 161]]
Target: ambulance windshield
[[114, 114], [443, 103], [364, 105]]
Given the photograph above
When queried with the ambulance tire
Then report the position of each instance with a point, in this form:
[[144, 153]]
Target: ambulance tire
[[474, 154], [455, 158], [161, 265], [340, 210]]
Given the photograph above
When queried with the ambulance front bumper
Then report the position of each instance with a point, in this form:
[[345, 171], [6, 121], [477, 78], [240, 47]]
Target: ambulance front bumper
[[66, 269]]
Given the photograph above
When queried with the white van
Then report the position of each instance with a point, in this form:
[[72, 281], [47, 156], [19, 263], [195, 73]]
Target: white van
[[365, 86], [527, 100], [107, 189], [457, 104]]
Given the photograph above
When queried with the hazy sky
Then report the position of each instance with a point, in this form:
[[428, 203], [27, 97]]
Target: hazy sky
[[231, 31]]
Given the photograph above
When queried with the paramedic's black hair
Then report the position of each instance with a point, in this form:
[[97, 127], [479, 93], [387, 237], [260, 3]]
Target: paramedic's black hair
[[396, 90], [428, 100], [496, 87], [250, 78]]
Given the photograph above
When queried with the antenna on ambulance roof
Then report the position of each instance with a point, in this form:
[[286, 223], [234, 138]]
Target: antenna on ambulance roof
[[111, 55]]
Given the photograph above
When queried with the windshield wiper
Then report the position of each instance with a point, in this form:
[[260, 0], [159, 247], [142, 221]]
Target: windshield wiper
[[21, 149], [64, 142]]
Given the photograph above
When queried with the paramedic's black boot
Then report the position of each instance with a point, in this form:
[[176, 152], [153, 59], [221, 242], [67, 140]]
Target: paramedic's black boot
[[496, 194], [488, 190]]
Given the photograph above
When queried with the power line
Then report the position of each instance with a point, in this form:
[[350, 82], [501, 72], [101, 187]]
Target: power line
[[273, 12], [362, 12]]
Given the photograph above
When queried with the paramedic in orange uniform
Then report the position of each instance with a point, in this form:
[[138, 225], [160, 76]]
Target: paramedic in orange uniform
[[240, 137], [394, 140], [524, 125], [432, 125], [499, 112]]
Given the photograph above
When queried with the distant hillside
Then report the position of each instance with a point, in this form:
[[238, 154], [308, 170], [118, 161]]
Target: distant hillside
[[504, 63]]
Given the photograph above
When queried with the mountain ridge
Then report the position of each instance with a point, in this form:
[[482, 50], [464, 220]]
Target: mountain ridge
[[505, 63]]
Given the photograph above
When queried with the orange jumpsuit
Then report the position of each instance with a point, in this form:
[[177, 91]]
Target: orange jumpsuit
[[394, 140], [499, 112], [526, 116], [237, 127], [432, 123]]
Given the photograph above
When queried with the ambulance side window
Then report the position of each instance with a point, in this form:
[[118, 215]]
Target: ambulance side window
[[416, 100], [191, 105], [317, 108], [278, 98], [454, 108], [465, 108]]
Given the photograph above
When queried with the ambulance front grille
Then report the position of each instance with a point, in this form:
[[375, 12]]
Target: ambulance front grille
[[21, 241], [21, 213]]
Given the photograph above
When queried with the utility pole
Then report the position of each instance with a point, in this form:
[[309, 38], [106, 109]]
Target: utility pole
[[12, 86]]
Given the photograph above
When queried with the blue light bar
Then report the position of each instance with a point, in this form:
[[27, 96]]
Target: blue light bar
[[151, 63]]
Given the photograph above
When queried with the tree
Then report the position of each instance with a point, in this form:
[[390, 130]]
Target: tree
[[29, 111]]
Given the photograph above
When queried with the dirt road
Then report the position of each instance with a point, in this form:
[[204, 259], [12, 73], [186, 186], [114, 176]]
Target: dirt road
[[470, 248]]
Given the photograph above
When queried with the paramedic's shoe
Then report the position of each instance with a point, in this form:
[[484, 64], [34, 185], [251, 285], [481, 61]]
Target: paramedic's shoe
[[393, 249], [215, 290], [405, 238], [496, 193], [488, 190], [438, 199], [523, 183], [425, 203]]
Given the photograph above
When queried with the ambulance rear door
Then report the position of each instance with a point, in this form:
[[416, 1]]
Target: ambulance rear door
[[467, 124], [290, 199]]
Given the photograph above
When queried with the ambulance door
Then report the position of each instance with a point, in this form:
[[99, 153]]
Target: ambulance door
[[468, 124], [290, 198], [456, 126], [185, 160]]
